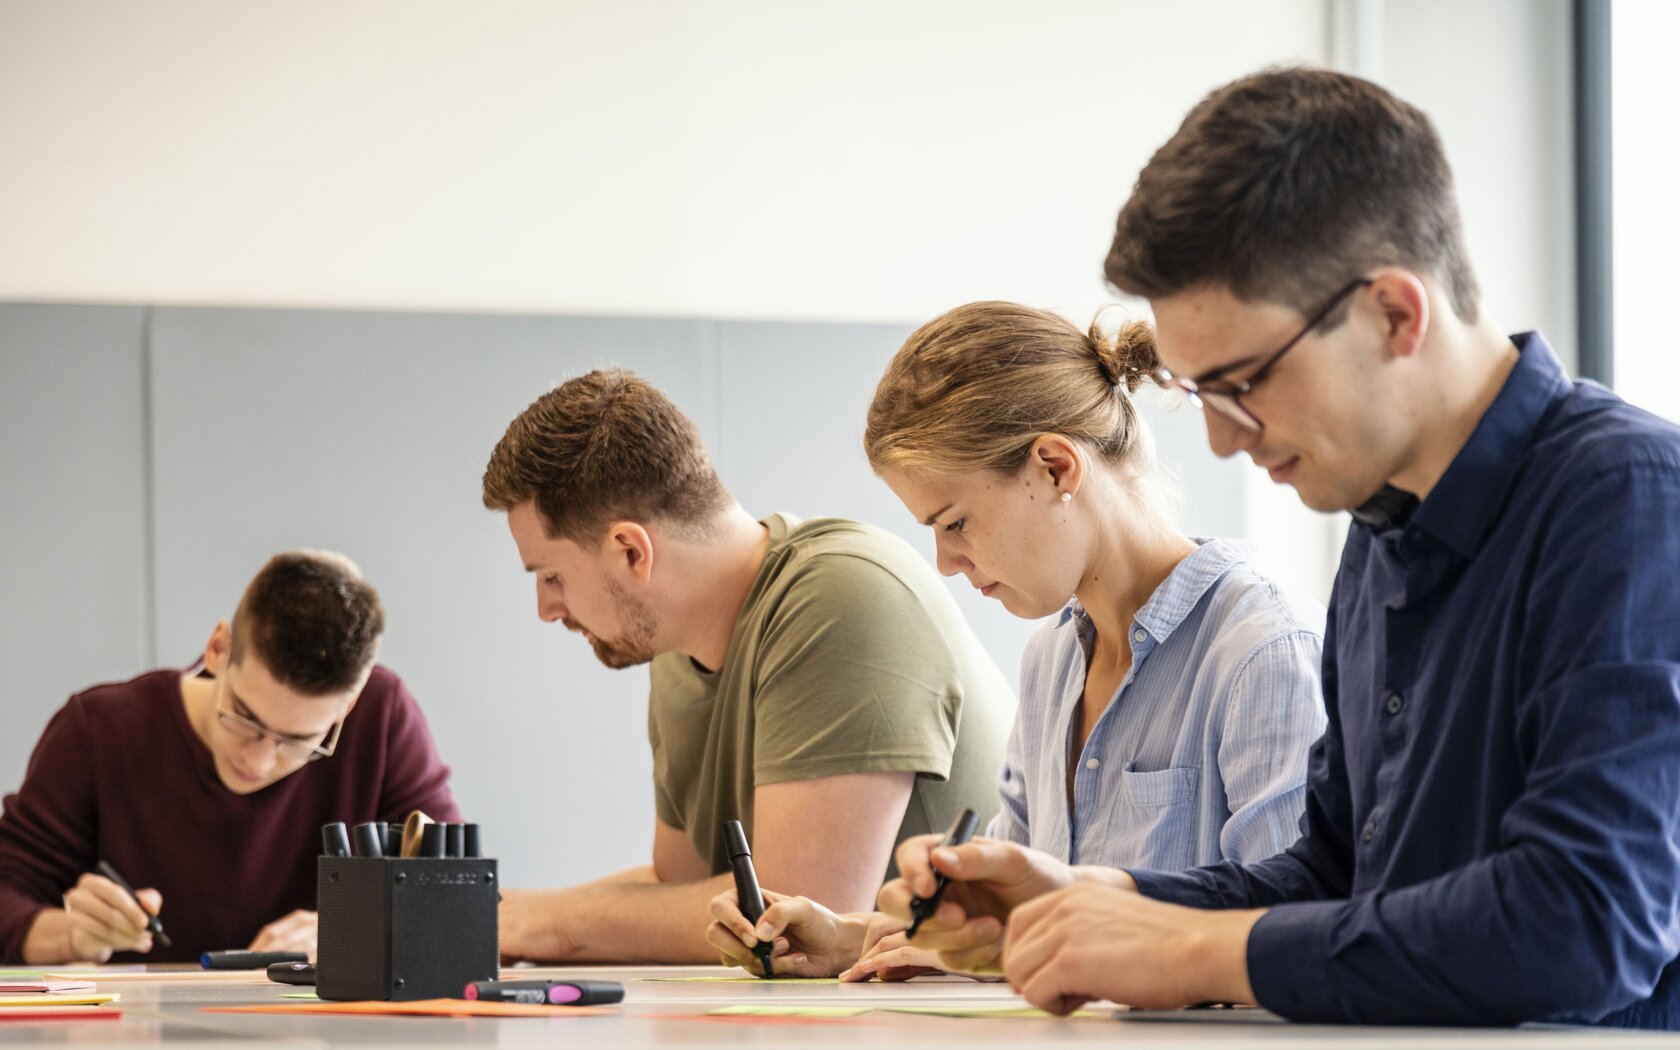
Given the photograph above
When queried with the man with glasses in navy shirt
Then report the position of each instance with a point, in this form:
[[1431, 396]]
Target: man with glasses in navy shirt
[[1492, 832], [207, 788]]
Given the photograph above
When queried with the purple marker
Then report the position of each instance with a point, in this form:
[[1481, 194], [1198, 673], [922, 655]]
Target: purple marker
[[553, 993]]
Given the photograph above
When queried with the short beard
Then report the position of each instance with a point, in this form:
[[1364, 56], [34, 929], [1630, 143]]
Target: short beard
[[636, 642]]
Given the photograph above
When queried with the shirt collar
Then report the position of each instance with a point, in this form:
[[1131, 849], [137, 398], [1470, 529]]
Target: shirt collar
[[1179, 594], [1464, 504]]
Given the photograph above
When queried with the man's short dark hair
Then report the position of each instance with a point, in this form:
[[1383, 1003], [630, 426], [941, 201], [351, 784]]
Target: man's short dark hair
[[1285, 185], [602, 447], [312, 620]]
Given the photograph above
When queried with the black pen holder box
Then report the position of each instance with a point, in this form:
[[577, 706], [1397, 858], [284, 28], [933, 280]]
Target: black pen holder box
[[404, 928]]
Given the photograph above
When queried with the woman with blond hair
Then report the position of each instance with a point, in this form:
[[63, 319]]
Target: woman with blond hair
[[1169, 700]]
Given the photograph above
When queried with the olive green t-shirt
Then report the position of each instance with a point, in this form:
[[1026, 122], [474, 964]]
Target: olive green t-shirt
[[849, 656]]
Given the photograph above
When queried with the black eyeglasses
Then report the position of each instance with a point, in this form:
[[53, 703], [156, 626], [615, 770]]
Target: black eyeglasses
[[1225, 397], [248, 732]]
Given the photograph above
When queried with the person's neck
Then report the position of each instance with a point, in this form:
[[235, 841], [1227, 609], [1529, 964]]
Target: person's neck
[[1134, 555], [1470, 366], [715, 577], [198, 698]]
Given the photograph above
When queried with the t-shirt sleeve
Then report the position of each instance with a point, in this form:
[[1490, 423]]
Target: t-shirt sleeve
[[852, 676], [415, 776], [46, 829]]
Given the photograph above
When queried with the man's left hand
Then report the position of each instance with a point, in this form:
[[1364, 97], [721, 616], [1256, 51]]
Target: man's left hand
[[293, 933], [1090, 941]]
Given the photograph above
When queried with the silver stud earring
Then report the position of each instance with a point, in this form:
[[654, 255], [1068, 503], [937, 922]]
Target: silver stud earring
[[1067, 497]]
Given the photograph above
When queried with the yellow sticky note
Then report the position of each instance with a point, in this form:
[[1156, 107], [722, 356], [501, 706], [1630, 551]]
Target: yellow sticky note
[[68, 999]]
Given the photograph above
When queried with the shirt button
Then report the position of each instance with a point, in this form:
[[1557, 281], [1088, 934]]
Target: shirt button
[[1394, 703], [1093, 763], [1370, 831], [1139, 635]]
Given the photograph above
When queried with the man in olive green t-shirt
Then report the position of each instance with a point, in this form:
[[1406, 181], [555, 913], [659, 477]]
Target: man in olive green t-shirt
[[848, 656], [813, 680]]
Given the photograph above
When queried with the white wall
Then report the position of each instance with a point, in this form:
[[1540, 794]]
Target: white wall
[[878, 160]]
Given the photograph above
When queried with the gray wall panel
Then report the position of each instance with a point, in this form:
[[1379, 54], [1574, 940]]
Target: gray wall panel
[[72, 532], [368, 433]]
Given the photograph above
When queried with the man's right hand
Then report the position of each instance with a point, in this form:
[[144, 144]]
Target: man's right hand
[[988, 878], [807, 939], [97, 919]]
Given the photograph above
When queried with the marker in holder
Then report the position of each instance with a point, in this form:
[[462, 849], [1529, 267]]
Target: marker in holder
[[405, 928]]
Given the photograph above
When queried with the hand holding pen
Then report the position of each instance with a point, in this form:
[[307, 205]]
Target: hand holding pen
[[749, 897], [103, 915], [807, 939], [985, 879]]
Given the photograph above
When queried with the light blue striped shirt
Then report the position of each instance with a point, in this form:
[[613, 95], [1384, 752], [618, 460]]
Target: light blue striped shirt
[[1202, 755]]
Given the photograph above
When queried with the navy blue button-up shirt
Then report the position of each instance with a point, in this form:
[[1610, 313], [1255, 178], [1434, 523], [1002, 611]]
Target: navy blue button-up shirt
[[1492, 831]]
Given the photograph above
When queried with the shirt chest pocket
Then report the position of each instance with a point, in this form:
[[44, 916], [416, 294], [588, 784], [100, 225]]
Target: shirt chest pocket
[[1164, 787], [1157, 817]]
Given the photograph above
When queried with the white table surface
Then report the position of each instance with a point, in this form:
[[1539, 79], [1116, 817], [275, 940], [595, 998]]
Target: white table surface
[[670, 1014]]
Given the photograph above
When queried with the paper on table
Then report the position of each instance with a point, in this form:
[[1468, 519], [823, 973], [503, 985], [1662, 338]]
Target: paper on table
[[987, 1011], [773, 1010], [759, 980], [57, 1013], [418, 1008], [79, 972], [13, 987], [789, 1011], [256, 976], [70, 999]]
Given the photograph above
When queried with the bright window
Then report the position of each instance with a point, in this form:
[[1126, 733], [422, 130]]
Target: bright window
[[1645, 201]]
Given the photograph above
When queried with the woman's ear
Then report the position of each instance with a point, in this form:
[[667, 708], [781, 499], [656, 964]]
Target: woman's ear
[[1058, 461]]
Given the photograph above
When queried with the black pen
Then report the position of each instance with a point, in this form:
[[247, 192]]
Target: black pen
[[152, 922], [923, 908], [746, 886], [242, 959]]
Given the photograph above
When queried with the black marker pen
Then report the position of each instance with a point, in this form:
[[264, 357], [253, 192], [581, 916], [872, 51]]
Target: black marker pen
[[922, 908], [370, 841], [746, 886], [245, 960], [335, 839], [152, 922], [552, 993]]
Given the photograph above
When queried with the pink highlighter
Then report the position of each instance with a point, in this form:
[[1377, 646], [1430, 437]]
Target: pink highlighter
[[551, 993]]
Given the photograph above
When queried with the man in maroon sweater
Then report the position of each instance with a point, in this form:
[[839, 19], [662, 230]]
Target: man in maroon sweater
[[208, 787]]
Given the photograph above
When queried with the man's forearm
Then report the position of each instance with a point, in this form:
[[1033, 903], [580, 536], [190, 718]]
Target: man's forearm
[[629, 917]]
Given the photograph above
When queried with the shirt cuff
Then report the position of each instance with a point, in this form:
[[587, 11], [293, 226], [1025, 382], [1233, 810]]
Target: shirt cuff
[[1178, 887], [1289, 961]]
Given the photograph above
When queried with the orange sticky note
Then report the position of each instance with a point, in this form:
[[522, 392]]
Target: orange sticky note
[[418, 1008]]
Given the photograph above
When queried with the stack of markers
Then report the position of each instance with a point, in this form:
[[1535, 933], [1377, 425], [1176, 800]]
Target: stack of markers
[[418, 837]]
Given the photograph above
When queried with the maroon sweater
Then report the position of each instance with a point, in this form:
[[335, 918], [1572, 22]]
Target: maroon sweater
[[120, 775]]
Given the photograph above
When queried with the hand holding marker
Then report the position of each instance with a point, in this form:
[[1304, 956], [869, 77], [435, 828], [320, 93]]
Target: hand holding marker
[[923, 908], [747, 894], [152, 922]]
